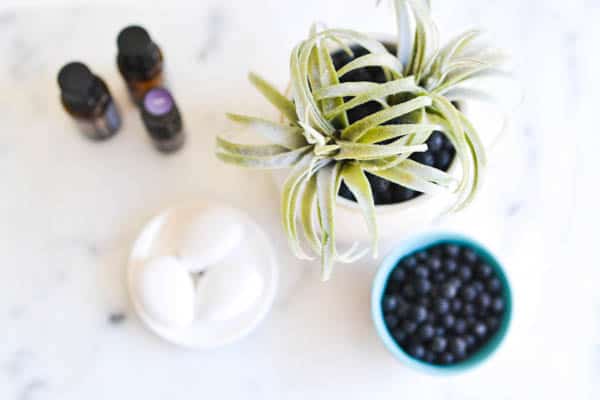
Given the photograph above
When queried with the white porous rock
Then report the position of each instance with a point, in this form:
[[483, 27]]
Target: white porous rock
[[227, 290], [167, 292], [210, 237]]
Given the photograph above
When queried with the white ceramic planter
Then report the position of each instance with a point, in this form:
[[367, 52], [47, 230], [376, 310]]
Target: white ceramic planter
[[393, 220]]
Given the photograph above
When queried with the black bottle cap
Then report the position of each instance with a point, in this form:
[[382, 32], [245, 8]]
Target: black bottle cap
[[160, 114], [138, 55], [134, 40], [75, 78], [81, 90]]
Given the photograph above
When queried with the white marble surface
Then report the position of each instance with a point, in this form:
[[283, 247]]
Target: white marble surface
[[70, 209]]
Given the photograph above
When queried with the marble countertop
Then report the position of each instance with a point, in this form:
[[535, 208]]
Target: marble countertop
[[70, 210]]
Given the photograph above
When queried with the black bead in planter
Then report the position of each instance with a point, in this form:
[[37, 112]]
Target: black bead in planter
[[440, 153]]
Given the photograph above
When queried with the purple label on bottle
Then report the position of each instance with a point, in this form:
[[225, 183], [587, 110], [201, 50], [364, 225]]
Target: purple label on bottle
[[112, 117], [158, 101]]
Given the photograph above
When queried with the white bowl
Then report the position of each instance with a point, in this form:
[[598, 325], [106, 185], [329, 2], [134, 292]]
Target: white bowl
[[160, 237], [393, 220]]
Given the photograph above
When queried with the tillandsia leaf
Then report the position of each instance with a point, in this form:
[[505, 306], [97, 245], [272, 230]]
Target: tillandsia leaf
[[479, 156], [345, 89], [282, 103], [308, 201], [455, 47], [474, 138], [370, 44], [318, 163], [386, 132], [418, 52], [300, 98], [381, 91], [424, 36], [486, 55], [312, 135], [360, 151], [404, 33], [306, 105], [384, 60], [359, 185], [463, 93], [250, 150], [355, 131], [384, 163], [353, 254], [462, 63], [342, 45], [329, 77], [314, 74], [277, 161], [460, 145], [328, 150], [429, 173], [421, 136], [455, 132], [422, 12], [459, 69], [316, 29], [287, 136], [289, 198], [460, 75], [408, 178], [302, 91], [328, 181]]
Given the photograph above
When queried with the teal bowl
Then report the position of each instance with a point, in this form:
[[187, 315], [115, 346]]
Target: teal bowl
[[413, 245]]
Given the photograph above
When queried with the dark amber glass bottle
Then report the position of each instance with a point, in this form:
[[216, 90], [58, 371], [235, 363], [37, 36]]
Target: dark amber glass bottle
[[140, 61], [87, 99]]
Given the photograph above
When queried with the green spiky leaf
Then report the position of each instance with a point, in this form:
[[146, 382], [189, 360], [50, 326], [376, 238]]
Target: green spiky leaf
[[282, 103], [359, 185]]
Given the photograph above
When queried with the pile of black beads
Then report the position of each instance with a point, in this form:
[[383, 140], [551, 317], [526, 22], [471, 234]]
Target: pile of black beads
[[443, 303], [440, 151], [440, 154]]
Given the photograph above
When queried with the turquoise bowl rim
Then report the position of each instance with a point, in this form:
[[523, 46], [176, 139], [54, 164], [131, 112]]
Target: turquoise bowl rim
[[410, 246]]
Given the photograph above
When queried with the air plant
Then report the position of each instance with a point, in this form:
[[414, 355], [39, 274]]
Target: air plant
[[321, 148]]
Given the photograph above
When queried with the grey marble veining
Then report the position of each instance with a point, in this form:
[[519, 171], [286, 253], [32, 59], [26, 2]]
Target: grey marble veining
[[7, 18], [213, 38], [70, 210]]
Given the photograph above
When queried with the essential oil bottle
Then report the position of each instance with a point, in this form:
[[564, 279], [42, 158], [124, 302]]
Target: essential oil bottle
[[162, 120], [87, 99], [140, 61]]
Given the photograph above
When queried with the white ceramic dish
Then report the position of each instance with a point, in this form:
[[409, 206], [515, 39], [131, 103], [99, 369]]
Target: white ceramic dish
[[158, 238]]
